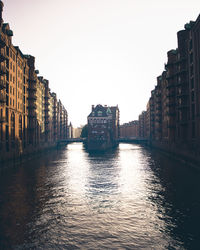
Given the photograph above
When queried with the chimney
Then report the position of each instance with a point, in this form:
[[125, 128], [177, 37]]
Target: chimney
[[1, 11]]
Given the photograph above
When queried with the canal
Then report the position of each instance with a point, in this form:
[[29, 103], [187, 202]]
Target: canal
[[129, 198]]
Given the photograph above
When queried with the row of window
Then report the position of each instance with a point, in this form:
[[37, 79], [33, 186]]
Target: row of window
[[97, 121], [12, 55], [20, 64], [97, 132], [12, 92], [19, 105]]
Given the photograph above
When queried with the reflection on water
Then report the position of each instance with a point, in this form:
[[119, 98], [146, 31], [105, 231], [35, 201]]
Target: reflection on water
[[129, 198]]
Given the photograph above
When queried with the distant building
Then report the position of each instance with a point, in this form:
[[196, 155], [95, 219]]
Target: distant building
[[70, 131], [103, 127], [129, 130], [77, 132], [143, 124]]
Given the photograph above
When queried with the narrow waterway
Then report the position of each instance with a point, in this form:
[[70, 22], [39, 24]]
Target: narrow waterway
[[130, 198]]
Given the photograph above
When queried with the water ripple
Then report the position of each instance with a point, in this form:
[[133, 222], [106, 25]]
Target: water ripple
[[130, 198]]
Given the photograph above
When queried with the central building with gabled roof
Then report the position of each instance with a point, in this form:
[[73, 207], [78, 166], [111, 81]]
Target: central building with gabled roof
[[103, 127]]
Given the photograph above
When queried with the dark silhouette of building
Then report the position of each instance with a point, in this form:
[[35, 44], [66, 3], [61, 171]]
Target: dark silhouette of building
[[103, 127], [173, 120]]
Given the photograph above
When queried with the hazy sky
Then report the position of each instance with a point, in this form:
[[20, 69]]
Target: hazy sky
[[99, 51]]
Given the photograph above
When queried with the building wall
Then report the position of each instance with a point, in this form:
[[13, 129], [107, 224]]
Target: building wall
[[55, 117], [130, 129], [171, 92], [14, 112], [77, 132], [29, 113], [65, 125], [103, 126], [142, 124], [40, 106], [173, 109], [70, 131]]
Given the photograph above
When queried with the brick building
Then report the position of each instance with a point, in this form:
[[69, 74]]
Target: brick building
[[130, 129], [103, 127], [28, 110], [173, 109], [142, 124]]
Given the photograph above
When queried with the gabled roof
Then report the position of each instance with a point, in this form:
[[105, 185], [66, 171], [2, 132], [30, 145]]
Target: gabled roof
[[99, 111], [103, 111]]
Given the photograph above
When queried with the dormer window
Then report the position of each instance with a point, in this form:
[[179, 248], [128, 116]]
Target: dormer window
[[99, 113]]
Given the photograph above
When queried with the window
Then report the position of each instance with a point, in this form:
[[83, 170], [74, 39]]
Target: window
[[7, 51], [192, 96], [191, 57], [1, 129], [7, 76], [193, 130], [20, 127], [192, 83], [12, 126], [191, 44], [7, 100], [193, 111], [191, 70]]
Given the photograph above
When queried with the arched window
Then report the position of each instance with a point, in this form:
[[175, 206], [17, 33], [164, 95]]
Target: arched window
[[20, 127], [12, 126]]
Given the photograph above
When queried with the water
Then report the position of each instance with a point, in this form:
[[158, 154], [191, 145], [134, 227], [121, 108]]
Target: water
[[130, 198]]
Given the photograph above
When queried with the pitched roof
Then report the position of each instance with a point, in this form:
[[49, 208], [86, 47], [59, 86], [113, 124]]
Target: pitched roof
[[103, 111], [99, 111]]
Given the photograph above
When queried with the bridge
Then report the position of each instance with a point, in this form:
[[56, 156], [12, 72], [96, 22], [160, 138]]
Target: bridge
[[133, 140], [70, 140], [137, 140]]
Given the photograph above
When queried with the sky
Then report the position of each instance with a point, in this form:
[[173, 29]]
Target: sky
[[107, 52]]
